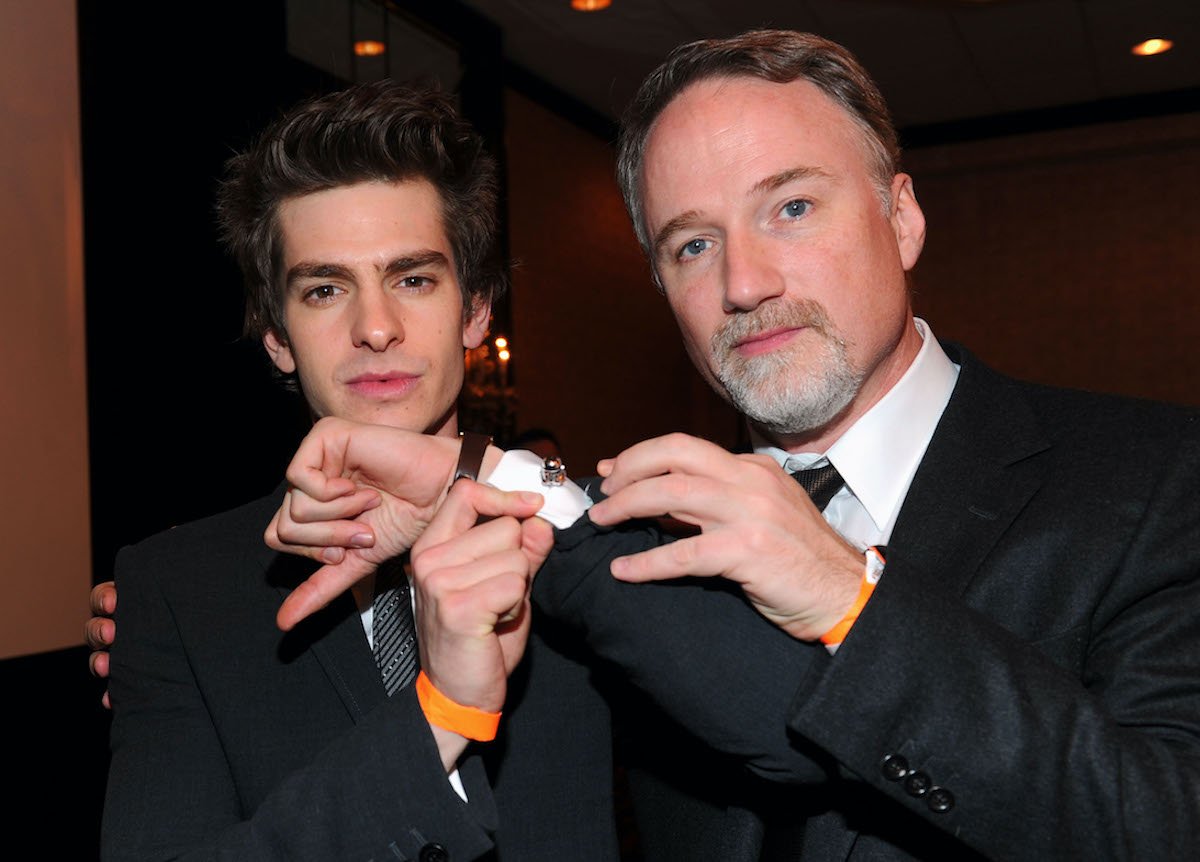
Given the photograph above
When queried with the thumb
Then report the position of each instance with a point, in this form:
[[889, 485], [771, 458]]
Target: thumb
[[537, 540]]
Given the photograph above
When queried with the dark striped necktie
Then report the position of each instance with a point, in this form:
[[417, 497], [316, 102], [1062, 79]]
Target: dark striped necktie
[[821, 483], [393, 633]]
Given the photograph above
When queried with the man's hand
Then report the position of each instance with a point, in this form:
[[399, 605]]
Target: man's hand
[[472, 595], [360, 494], [758, 528], [100, 631]]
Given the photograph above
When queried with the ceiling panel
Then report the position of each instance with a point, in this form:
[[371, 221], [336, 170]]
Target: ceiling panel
[[1031, 55], [936, 60], [1115, 25]]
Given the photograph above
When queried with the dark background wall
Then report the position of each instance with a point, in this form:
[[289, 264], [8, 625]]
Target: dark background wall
[[183, 419], [1070, 256], [1064, 256]]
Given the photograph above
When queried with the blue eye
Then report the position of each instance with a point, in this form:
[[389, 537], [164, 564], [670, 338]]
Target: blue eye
[[694, 247], [795, 209]]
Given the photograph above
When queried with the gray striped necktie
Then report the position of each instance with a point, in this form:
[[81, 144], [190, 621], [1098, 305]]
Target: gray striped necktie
[[392, 630]]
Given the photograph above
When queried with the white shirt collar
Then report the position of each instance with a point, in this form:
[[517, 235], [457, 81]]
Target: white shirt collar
[[879, 454]]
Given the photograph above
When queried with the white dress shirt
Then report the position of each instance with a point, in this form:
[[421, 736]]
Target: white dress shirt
[[879, 454]]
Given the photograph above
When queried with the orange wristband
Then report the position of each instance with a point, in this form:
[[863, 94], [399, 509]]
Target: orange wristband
[[871, 576], [464, 720]]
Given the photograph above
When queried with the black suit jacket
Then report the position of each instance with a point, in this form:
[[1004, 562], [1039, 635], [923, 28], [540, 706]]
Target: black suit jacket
[[233, 740], [1023, 684]]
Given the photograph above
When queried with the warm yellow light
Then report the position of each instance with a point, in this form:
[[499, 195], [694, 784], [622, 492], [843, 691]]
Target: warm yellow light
[[590, 5], [1152, 46], [369, 48], [501, 343], [504, 354]]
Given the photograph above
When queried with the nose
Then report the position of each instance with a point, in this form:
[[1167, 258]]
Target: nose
[[751, 273], [377, 323]]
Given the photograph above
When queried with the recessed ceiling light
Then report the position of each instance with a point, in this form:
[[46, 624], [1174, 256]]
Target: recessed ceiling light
[[1152, 46], [369, 48], [590, 5]]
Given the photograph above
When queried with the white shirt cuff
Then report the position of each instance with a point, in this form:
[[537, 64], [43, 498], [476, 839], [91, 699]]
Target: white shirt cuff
[[519, 470]]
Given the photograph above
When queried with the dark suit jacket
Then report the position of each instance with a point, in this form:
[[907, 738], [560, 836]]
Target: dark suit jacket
[[233, 740], [1024, 683]]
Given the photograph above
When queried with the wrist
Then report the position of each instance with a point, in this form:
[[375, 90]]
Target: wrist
[[477, 457], [469, 455], [872, 571], [472, 447], [466, 721], [491, 457]]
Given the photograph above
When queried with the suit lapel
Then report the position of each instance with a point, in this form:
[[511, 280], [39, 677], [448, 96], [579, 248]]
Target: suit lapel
[[334, 636], [348, 661], [977, 475]]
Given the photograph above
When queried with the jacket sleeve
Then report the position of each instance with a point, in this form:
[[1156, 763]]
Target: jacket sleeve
[[377, 791], [694, 646]]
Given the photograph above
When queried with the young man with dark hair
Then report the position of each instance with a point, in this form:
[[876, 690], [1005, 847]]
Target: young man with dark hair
[[365, 226]]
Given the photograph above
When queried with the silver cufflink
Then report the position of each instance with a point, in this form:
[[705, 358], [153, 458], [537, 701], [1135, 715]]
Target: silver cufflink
[[554, 472]]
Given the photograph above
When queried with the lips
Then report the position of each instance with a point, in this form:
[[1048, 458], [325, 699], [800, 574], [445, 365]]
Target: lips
[[767, 340], [388, 384]]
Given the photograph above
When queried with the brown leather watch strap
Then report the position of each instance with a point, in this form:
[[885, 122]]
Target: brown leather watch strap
[[470, 456]]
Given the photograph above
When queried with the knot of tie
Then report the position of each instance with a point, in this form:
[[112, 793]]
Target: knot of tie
[[821, 483]]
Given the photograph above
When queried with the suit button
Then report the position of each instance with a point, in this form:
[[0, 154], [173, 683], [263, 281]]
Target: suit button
[[917, 783], [894, 767], [434, 853], [940, 800]]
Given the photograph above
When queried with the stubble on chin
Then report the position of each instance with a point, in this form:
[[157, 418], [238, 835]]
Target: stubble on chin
[[797, 388]]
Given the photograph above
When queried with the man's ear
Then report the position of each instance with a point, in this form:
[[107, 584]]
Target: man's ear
[[279, 352], [475, 327], [907, 221]]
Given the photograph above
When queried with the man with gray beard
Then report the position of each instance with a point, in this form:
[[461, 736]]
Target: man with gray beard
[[986, 649]]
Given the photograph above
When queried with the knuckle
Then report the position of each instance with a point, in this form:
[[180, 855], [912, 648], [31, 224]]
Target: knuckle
[[509, 529], [437, 582], [678, 486], [683, 553]]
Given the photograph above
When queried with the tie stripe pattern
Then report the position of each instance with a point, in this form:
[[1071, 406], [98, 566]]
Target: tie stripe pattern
[[821, 483], [392, 630]]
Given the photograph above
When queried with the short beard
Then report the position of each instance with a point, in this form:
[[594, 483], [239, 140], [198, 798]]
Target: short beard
[[771, 389]]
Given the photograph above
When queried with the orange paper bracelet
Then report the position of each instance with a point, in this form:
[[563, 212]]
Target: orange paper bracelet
[[464, 720], [874, 571]]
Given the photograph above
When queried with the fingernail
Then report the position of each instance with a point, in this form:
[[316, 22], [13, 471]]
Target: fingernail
[[362, 540], [620, 566], [530, 497], [333, 555]]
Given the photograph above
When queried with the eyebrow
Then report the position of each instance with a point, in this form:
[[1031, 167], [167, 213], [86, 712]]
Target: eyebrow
[[675, 225], [767, 184], [404, 263]]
